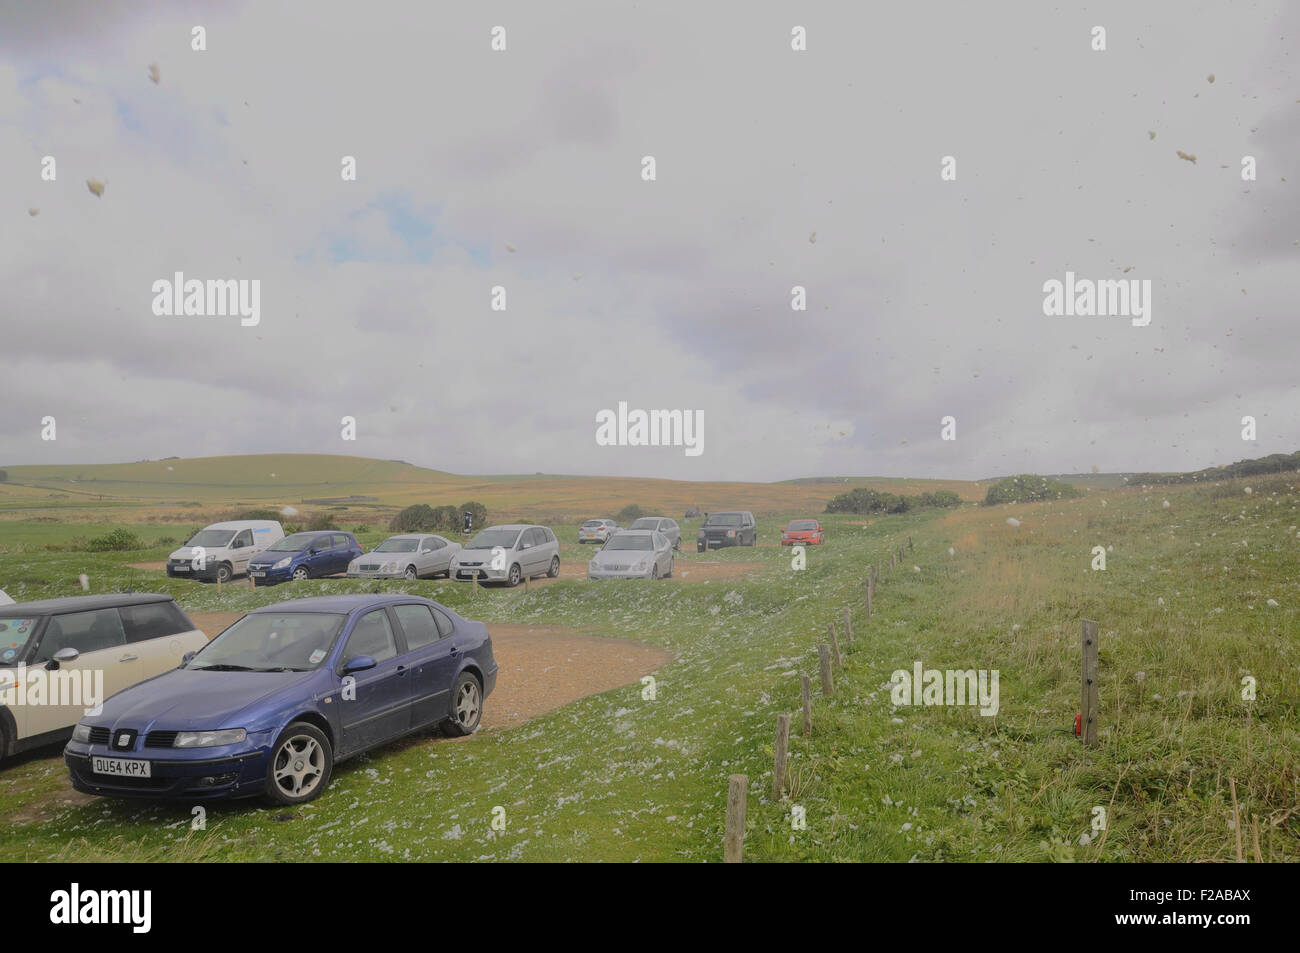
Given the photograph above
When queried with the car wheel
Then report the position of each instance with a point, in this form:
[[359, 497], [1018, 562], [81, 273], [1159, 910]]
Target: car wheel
[[555, 567], [301, 764], [672, 564], [514, 577], [466, 707], [410, 573], [677, 545], [654, 572], [224, 572], [300, 574]]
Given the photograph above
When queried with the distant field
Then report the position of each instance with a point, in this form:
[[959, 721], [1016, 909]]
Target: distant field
[[185, 491]]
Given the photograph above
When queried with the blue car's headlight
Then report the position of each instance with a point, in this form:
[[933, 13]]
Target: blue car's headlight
[[82, 734], [209, 739], [283, 562]]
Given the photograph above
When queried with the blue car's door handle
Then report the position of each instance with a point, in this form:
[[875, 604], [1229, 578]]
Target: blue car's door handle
[[401, 670], [454, 650]]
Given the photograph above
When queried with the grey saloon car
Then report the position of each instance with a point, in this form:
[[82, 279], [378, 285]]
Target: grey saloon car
[[508, 554], [407, 556], [633, 554], [661, 524]]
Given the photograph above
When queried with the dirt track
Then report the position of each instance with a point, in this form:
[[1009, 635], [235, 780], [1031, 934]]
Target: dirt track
[[541, 667]]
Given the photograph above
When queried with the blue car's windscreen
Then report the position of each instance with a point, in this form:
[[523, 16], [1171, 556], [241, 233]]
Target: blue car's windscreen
[[271, 642], [292, 544]]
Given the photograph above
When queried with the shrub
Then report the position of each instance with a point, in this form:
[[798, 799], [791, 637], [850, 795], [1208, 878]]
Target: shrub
[[477, 510], [446, 518], [258, 515], [628, 514], [418, 518], [116, 541], [1028, 488], [320, 521]]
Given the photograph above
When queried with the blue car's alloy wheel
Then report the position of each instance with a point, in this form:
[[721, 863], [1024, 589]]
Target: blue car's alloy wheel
[[300, 574], [301, 764], [466, 706]]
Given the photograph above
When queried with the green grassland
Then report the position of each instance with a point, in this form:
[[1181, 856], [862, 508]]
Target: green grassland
[[1184, 609]]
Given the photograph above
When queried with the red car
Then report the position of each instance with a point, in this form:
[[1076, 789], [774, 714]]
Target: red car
[[803, 533]]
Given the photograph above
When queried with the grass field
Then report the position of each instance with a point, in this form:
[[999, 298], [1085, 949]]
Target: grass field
[[1184, 608]]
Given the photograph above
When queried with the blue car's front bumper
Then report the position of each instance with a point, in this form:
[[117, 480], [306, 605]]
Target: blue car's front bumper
[[270, 577], [194, 773]]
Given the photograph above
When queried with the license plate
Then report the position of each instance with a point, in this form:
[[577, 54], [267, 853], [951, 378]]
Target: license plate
[[122, 767], [181, 568], [257, 575]]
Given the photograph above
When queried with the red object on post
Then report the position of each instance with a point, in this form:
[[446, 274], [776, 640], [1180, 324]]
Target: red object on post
[[1078, 725]]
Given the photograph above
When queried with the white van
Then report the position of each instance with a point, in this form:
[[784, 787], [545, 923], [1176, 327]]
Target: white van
[[222, 550]]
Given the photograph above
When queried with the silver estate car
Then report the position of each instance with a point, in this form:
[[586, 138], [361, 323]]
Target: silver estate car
[[408, 556], [597, 531], [661, 524], [633, 554], [508, 554]]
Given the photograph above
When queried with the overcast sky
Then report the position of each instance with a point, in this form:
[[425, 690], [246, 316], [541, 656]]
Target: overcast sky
[[925, 297]]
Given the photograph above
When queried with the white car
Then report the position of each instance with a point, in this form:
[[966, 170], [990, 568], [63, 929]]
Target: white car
[[83, 649], [508, 554], [408, 556], [222, 550], [661, 524], [597, 531], [633, 554]]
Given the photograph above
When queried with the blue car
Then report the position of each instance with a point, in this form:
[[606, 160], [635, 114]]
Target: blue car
[[276, 700], [304, 556]]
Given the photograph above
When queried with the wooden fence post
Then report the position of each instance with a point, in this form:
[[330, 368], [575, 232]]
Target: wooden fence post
[[807, 705], [778, 760], [824, 662], [909, 544], [835, 645], [848, 625], [1088, 683], [733, 844], [252, 582], [870, 589], [218, 583]]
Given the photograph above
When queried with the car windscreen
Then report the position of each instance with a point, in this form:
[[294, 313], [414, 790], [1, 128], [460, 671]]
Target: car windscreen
[[505, 538], [593, 524], [271, 642], [723, 519], [645, 524], [629, 542], [15, 633], [802, 524], [211, 538], [397, 546], [292, 544]]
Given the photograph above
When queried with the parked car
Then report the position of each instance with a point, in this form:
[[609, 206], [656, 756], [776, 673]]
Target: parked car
[[304, 556], [408, 556], [633, 554], [661, 524], [508, 554], [223, 550], [730, 528], [115, 640], [803, 533], [276, 700], [597, 531]]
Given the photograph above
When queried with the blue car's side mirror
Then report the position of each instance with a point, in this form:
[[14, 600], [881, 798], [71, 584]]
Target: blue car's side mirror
[[185, 659], [358, 663]]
